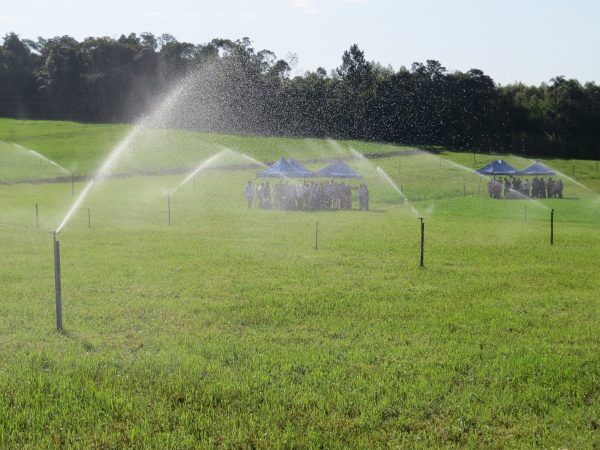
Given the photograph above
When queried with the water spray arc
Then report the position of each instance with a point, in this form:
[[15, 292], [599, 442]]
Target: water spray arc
[[43, 158], [202, 166], [192, 176], [252, 160], [387, 178], [382, 174], [102, 173], [414, 210], [126, 143]]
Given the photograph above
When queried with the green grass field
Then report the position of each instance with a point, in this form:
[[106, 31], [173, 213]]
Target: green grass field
[[229, 329]]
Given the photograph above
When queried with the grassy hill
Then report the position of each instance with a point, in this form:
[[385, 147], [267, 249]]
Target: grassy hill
[[229, 328], [81, 147]]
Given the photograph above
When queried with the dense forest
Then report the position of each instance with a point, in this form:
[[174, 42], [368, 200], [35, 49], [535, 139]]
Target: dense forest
[[108, 80]]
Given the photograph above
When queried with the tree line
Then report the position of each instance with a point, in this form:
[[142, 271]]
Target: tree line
[[101, 79]]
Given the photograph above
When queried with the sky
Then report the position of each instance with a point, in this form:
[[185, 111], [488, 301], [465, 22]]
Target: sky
[[529, 41]]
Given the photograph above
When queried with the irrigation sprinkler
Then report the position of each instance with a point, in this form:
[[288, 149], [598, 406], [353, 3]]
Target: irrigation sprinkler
[[422, 259], [552, 226], [169, 207], [57, 283], [37, 216], [317, 235]]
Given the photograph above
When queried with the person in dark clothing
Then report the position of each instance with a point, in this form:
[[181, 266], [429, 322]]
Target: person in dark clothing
[[361, 198], [559, 189]]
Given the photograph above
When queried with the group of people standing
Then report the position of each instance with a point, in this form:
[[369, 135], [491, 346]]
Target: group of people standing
[[516, 188], [306, 196]]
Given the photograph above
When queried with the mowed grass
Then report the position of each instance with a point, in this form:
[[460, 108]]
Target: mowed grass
[[229, 329]]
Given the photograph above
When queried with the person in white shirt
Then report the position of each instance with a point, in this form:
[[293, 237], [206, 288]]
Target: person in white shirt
[[249, 191]]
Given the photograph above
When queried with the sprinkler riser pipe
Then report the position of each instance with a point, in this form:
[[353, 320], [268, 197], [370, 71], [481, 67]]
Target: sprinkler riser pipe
[[552, 227], [422, 258], [37, 216], [57, 285], [169, 208]]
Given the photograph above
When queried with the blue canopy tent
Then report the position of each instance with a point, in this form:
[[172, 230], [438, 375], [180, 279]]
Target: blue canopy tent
[[498, 167], [280, 169], [537, 168], [285, 169], [299, 170], [338, 169]]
